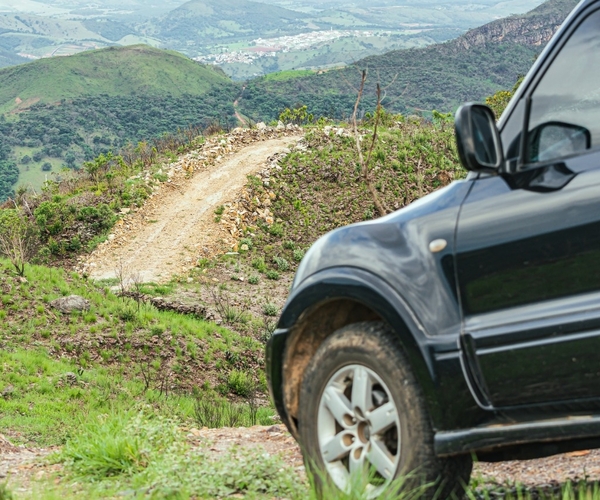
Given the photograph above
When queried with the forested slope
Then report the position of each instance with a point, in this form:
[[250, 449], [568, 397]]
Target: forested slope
[[63, 111], [438, 77]]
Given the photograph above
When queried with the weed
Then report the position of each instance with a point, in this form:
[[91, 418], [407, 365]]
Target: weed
[[259, 264], [247, 242], [272, 274], [240, 383], [276, 230], [5, 493], [270, 309], [253, 280], [219, 212], [282, 264], [298, 254]]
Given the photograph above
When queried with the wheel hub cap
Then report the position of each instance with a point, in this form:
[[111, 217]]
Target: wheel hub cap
[[358, 427]]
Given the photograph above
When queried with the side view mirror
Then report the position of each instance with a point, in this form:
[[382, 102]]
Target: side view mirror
[[477, 138], [554, 139]]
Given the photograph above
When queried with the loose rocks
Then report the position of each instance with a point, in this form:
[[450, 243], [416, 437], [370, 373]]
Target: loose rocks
[[71, 303]]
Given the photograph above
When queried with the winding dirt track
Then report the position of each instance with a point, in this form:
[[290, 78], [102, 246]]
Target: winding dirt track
[[172, 231]]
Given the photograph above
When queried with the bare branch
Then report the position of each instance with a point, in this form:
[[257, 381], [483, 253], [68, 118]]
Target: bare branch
[[365, 172]]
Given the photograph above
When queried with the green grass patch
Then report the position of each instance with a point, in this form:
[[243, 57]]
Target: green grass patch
[[114, 356]]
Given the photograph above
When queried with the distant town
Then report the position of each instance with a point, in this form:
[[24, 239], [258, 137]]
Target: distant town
[[270, 47]]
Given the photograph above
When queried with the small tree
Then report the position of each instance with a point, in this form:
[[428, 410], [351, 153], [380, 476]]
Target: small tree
[[18, 238], [47, 166]]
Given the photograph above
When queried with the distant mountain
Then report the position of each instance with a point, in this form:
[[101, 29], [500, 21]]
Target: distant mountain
[[200, 22], [533, 29], [65, 110], [439, 77], [115, 71]]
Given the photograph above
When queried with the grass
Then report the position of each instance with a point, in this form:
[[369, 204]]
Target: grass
[[151, 456], [144, 455], [120, 354]]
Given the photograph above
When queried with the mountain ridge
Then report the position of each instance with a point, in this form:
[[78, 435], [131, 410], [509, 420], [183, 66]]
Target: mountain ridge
[[440, 77]]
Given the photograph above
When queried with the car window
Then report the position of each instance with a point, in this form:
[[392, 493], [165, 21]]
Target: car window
[[565, 106]]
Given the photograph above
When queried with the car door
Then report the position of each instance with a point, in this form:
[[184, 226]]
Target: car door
[[528, 242]]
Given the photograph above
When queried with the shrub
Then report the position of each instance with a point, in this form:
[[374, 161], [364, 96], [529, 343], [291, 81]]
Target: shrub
[[282, 264], [51, 217], [240, 383], [97, 218], [18, 238], [254, 279], [270, 309], [272, 274]]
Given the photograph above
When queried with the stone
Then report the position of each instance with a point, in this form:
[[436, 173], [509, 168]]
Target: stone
[[261, 126], [71, 303], [70, 378], [8, 391]]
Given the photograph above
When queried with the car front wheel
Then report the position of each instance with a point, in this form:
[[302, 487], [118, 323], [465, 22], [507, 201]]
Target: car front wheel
[[362, 412]]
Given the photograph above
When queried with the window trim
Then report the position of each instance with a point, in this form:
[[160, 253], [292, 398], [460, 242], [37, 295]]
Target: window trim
[[529, 85]]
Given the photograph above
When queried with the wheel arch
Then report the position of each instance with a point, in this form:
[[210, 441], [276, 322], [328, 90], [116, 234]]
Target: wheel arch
[[332, 299]]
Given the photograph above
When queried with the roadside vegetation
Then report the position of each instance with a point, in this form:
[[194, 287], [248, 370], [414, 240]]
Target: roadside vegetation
[[57, 369]]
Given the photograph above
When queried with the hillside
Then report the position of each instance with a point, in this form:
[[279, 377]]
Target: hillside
[[439, 77], [63, 111], [114, 71]]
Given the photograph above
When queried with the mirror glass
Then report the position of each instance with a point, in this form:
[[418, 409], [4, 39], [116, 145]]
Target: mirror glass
[[483, 136], [556, 140]]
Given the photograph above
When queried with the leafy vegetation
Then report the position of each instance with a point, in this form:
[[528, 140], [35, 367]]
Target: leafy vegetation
[[115, 356], [321, 188], [416, 81], [151, 457]]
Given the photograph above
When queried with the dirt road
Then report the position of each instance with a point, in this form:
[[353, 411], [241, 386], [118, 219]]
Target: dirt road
[[174, 229]]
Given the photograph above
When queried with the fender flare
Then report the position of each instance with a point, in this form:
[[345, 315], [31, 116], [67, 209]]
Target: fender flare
[[376, 294]]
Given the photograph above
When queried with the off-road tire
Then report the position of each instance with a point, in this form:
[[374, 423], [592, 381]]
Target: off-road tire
[[374, 346]]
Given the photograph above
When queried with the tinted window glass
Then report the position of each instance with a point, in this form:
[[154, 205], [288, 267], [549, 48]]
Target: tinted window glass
[[565, 106]]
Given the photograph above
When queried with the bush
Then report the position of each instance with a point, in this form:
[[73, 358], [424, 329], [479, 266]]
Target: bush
[[18, 238], [270, 309], [240, 383], [272, 274], [51, 217]]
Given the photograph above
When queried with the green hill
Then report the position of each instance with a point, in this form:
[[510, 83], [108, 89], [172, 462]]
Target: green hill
[[114, 71], [63, 111], [440, 77]]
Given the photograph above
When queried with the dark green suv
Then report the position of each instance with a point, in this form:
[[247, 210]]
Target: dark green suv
[[467, 323]]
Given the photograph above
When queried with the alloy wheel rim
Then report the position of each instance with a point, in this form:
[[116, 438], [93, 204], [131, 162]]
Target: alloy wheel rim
[[358, 429]]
